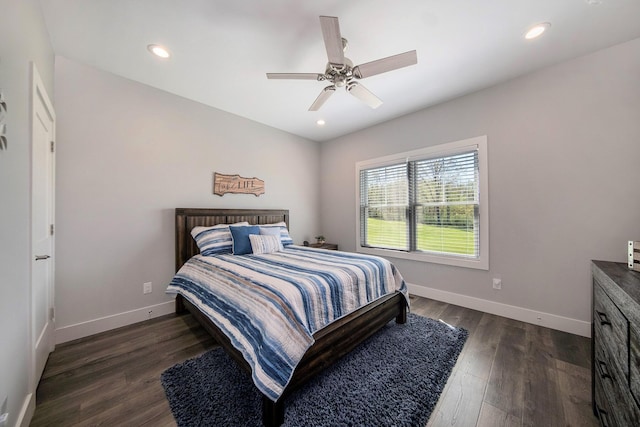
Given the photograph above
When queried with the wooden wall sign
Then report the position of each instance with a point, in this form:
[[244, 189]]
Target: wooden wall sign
[[223, 184]]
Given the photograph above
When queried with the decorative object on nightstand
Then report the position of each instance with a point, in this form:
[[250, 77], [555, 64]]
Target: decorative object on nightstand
[[320, 239]]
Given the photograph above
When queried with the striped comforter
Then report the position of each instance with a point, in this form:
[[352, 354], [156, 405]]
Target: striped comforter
[[270, 305]]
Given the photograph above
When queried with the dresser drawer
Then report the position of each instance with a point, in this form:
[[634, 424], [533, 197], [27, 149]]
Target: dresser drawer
[[612, 329], [610, 395], [605, 368], [602, 407]]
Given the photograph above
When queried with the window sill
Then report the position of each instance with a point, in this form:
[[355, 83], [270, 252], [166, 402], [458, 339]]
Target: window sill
[[478, 264]]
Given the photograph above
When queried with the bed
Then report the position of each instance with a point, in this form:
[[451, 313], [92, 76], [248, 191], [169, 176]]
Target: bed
[[329, 343]]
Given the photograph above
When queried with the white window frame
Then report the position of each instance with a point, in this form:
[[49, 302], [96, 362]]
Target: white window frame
[[450, 148]]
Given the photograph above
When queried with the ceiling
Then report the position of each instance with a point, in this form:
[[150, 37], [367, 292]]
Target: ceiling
[[221, 49]]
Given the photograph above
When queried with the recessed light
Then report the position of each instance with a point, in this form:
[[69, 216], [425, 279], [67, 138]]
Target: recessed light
[[536, 30], [158, 50], [320, 122]]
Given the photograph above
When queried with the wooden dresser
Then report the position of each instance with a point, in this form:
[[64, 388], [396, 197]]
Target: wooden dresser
[[615, 355]]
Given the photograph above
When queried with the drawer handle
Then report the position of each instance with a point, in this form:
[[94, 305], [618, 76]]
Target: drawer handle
[[604, 371], [604, 320]]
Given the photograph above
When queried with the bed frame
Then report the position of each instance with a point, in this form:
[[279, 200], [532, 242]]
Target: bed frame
[[331, 342]]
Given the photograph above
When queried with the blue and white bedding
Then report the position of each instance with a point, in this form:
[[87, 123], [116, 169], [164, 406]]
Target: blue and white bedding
[[270, 305]]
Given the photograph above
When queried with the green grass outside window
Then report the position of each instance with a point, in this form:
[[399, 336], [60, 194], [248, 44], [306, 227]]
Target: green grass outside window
[[393, 234]]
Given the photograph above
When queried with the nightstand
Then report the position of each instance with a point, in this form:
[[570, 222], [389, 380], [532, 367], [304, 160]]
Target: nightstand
[[328, 246]]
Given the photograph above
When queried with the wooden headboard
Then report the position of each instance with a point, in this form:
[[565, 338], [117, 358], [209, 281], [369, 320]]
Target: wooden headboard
[[187, 218]]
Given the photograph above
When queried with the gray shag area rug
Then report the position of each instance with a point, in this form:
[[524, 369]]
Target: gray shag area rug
[[393, 379]]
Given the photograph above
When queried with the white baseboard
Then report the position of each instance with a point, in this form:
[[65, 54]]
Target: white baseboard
[[91, 327], [573, 326], [27, 410]]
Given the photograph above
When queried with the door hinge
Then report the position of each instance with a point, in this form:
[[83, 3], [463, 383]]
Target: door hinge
[[52, 313], [51, 229], [52, 146]]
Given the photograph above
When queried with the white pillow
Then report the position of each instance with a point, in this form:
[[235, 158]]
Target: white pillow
[[281, 227], [265, 243], [272, 231]]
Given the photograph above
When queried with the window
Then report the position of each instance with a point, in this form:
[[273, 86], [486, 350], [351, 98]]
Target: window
[[427, 205]]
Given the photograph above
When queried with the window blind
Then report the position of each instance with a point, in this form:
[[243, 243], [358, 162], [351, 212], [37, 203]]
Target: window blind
[[384, 204], [423, 205], [445, 204]]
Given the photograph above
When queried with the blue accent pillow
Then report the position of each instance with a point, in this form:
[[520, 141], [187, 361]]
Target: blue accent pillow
[[240, 236]]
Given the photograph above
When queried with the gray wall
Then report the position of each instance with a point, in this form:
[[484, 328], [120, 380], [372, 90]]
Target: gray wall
[[564, 150], [23, 38], [127, 156]]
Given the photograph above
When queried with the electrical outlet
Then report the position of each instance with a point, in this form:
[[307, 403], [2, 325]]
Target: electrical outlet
[[497, 283], [147, 288]]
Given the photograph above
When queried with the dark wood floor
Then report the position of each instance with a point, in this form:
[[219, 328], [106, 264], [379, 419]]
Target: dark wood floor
[[509, 374]]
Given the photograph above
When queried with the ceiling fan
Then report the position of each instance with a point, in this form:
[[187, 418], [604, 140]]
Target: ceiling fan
[[340, 70]]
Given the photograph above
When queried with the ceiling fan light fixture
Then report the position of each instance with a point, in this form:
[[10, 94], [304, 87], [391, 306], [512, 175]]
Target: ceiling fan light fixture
[[536, 31], [340, 80], [159, 51]]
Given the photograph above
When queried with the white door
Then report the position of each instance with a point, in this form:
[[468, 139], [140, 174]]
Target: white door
[[42, 213]]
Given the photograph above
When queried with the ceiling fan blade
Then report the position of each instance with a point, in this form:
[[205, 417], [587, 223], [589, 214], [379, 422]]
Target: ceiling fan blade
[[322, 98], [364, 95], [332, 39], [383, 65], [296, 76]]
